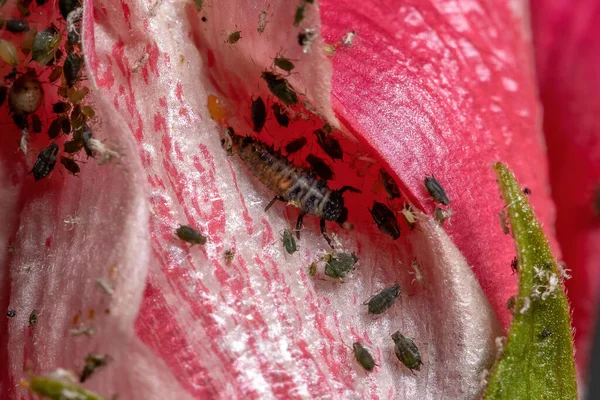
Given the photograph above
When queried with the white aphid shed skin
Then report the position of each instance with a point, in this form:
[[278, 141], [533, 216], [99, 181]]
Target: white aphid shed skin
[[548, 285], [140, 62], [348, 38], [526, 305], [72, 19]]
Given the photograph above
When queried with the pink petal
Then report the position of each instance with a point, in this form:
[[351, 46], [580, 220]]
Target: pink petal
[[446, 89], [567, 48]]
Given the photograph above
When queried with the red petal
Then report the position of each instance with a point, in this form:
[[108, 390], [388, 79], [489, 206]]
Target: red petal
[[567, 50], [446, 91]]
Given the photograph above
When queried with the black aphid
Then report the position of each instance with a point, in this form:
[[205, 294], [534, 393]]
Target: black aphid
[[280, 115], [45, 162], [36, 123], [385, 219], [299, 16], [11, 314], [383, 300], [234, 37], [20, 121], [203, 19], [66, 6], [87, 137], [280, 88], [65, 125], [407, 351], [545, 333], [17, 26], [389, 185], [283, 64], [514, 265], [33, 318], [73, 146], [54, 128], [319, 167], [289, 243], [72, 69], [61, 107], [92, 362], [339, 265], [70, 165], [73, 38], [363, 356], [292, 184], [436, 190], [526, 191], [190, 235], [295, 145], [329, 144], [258, 112]]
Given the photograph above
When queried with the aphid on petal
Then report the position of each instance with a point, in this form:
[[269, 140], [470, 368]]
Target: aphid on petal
[[280, 88], [383, 300], [385, 220], [45, 45], [234, 37], [348, 38], [329, 144], [27, 43], [228, 256], [72, 69], [409, 216], [45, 162], [262, 21], [328, 49], [23, 8], [442, 215], [436, 190], [391, 188], [33, 317], [8, 52], [363, 357], [199, 4], [67, 6], [312, 269], [36, 123], [258, 113], [190, 235], [526, 191], [514, 265], [339, 265], [17, 26], [406, 350], [92, 362], [55, 128], [295, 145], [280, 115], [319, 167], [283, 64], [11, 314], [61, 107], [55, 74], [289, 243], [3, 93], [70, 165], [299, 15]]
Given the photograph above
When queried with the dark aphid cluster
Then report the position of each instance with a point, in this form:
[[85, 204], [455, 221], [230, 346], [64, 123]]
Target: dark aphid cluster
[[390, 186], [280, 88], [93, 362], [407, 351], [383, 300], [385, 219], [258, 113], [292, 184], [296, 145], [329, 144], [339, 265], [363, 357], [45, 162], [319, 167], [289, 243], [280, 115], [436, 190], [190, 235]]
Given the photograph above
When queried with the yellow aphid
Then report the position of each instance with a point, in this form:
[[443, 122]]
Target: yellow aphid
[[328, 49], [8, 52]]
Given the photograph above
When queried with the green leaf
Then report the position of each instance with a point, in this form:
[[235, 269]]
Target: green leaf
[[537, 362]]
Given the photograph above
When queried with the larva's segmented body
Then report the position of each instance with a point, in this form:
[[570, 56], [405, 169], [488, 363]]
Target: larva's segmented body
[[292, 184]]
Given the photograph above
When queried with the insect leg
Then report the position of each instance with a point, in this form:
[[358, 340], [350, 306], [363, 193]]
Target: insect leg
[[299, 224], [273, 202], [324, 233]]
